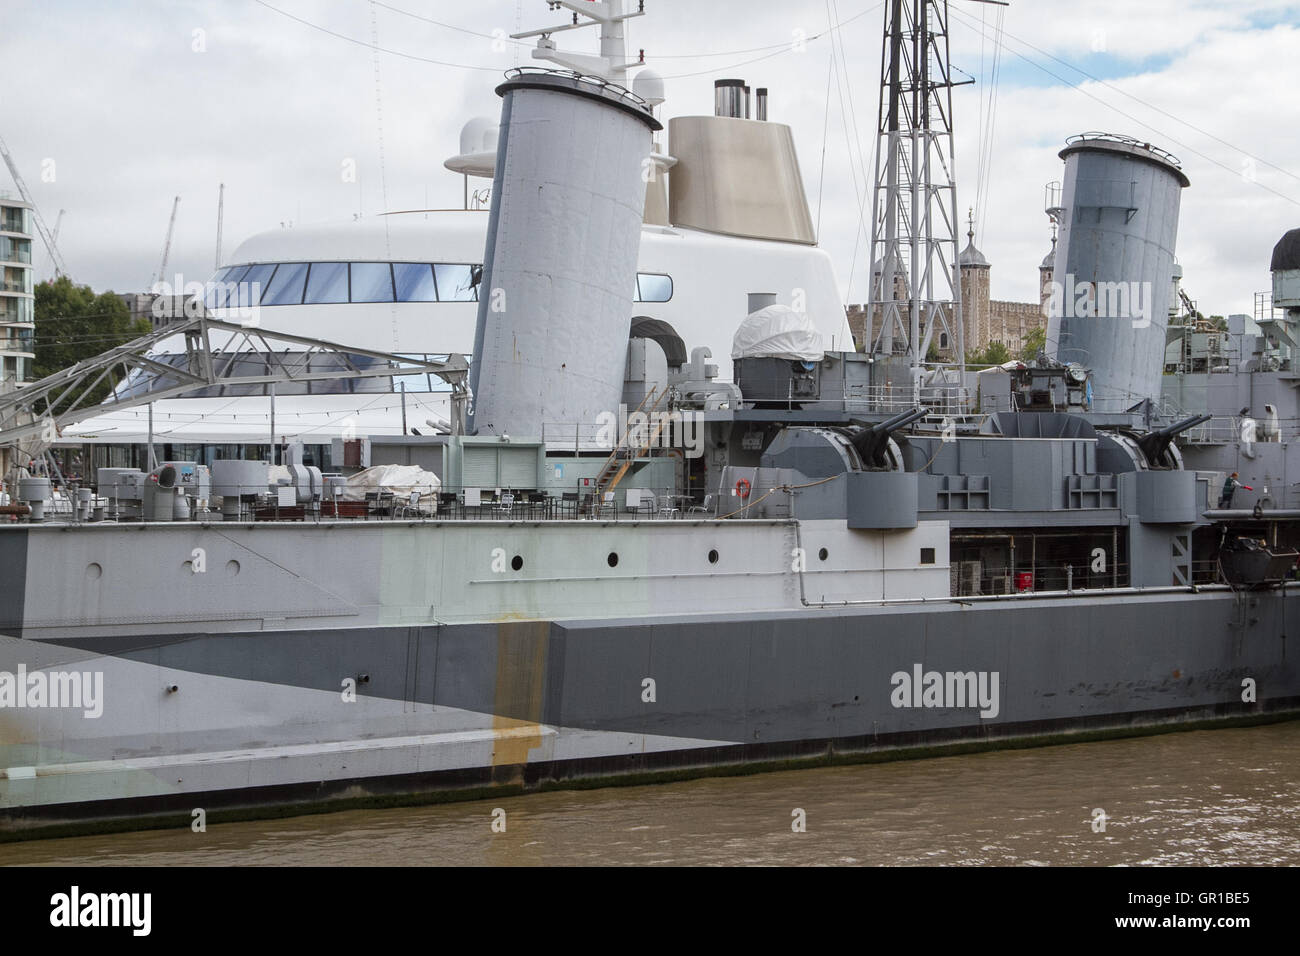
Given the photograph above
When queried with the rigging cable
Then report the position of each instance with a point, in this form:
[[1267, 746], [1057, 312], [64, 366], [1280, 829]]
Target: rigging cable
[[778, 48], [826, 123], [1185, 146]]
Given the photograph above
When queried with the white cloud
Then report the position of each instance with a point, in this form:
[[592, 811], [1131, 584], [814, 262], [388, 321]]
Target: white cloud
[[133, 116]]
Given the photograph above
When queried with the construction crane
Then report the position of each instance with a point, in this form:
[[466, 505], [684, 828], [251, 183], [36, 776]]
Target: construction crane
[[46, 236], [58, 224], [167, 246], [221, 205]]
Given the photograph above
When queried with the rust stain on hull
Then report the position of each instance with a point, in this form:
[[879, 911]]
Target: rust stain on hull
[[520, 683]]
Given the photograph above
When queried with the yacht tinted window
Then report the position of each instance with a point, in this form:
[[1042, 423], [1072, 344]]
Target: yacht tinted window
[[327, 282], [221, 285], [372, 282], [456, 283], [251, 286], [414, 282], [287, 285], [654, 287]]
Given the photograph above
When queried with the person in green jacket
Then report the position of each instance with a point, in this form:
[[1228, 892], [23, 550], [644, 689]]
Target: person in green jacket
[[1229, 489]]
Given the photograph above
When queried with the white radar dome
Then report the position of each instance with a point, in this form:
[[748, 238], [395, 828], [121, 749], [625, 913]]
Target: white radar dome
[[649, 85]]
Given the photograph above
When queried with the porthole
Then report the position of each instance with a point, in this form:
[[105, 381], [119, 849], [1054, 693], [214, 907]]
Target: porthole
[[823, 554], [93, 570], [613, 559], [517, 562], [713, 556], [232, 568]]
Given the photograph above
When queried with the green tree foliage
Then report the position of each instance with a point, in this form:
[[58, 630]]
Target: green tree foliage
[[995, 353], [73, 323], [1035, 342]]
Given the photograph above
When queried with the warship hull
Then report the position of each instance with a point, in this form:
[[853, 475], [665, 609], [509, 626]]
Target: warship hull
[[417, 673]]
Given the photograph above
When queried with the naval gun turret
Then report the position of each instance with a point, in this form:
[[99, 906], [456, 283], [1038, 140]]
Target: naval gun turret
[[872, 443], [1155, 445], [1123, 450]]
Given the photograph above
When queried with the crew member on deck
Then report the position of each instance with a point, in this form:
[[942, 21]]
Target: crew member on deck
[[1229, 489]]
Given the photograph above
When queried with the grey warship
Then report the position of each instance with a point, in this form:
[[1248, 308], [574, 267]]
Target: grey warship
[[841, 555]]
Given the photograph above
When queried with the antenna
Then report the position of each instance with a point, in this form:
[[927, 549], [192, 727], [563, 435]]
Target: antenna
[[609, 15], [46, 236], [915, 285], [221, 206], [167, 245]]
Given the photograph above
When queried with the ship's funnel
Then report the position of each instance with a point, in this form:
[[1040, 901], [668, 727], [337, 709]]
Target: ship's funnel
[[729, 98], [1108, 303], [555, 300]]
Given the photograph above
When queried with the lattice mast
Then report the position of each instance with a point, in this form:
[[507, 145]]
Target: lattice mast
[[915, 283]]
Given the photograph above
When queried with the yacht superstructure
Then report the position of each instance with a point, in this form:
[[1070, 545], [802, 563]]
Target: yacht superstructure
[[725, 218]]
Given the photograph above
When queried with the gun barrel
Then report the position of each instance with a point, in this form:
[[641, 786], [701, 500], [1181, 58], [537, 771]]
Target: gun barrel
[[898, 421], [1170, 431]]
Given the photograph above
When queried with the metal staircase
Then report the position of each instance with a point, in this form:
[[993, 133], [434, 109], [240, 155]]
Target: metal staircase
[[621, 458]]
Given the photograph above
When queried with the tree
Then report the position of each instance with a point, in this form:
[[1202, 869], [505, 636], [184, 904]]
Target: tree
[[995, 353], [73, 323], [1035, 342]]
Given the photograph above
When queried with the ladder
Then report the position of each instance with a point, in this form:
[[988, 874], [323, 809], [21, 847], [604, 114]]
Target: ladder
[[619, 463]]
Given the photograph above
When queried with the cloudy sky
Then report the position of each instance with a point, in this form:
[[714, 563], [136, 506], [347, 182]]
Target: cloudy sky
[[112, 108]]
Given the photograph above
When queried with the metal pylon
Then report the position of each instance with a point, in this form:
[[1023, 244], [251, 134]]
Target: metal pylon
[[915, 285]]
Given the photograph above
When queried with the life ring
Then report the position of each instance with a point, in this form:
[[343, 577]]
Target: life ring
[[742, 488]]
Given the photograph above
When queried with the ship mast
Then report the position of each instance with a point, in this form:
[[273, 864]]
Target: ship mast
[[612, 62], [915, 284]]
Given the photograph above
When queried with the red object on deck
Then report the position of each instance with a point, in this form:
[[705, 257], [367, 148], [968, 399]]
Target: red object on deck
[[1024, 580]]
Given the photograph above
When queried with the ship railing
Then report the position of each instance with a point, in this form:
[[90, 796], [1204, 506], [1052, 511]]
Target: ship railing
[[580, 436], [945, 402], [596, 83], [580, 499], [1207, 571], [1051, 577], [1219, 430], [1035, 577]]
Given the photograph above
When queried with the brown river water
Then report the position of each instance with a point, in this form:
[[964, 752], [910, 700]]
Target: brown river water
[[1220, 797]]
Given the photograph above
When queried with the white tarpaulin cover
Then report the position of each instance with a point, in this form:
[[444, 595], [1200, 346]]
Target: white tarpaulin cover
[[401, 480], [777, 331]]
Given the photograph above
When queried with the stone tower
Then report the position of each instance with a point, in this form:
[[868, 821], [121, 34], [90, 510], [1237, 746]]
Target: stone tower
[[1045, 277], [975, 271]]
